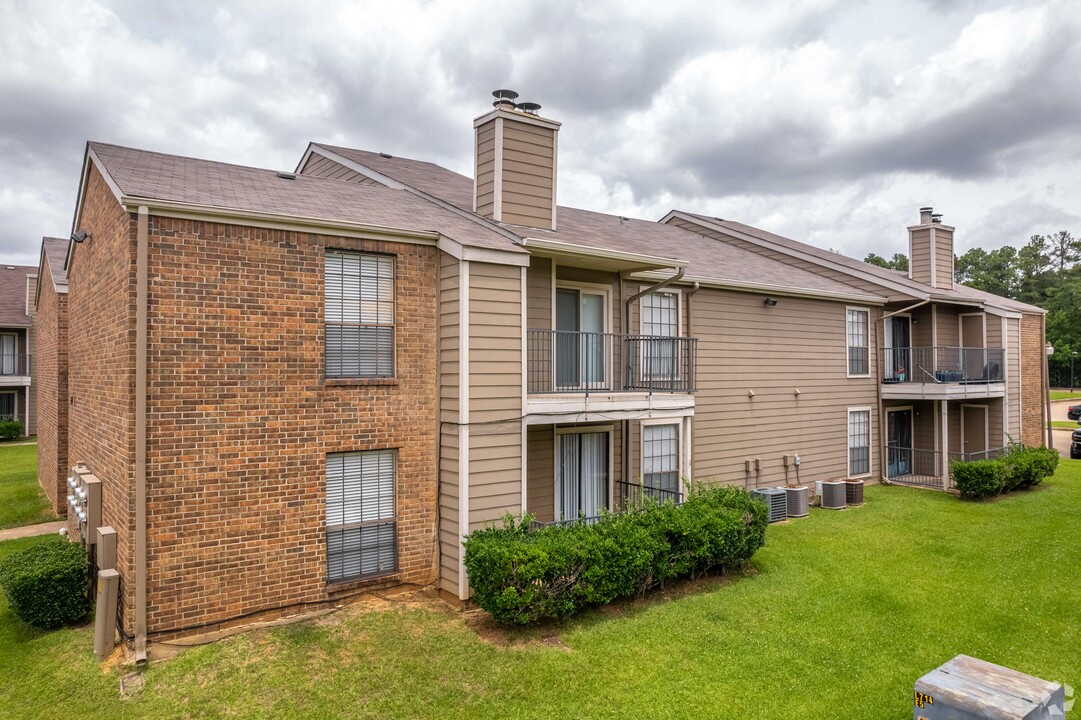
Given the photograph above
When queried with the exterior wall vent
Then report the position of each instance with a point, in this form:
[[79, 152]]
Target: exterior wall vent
[[776, 500], [833, 494]]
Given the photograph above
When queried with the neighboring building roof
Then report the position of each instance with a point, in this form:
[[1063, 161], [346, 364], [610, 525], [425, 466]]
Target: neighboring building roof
[[13, 295], [56, 250], [705, 259], [139, 174]]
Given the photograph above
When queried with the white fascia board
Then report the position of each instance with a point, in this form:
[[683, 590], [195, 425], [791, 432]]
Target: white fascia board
[[572, 250], [477, 254]]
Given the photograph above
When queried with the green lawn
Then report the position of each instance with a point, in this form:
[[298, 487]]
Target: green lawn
[[842, 613], [1066, 424], [22, 501], [1064, 395]]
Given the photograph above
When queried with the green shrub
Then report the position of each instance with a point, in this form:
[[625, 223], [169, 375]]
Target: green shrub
[[979, 479], [1027, 467], [46, 584], [522, 577], [10, 429]]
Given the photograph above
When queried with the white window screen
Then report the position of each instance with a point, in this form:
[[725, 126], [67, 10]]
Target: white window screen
[[361, 524], [359, 309], [857, 342], [660, 459], [859, 442]]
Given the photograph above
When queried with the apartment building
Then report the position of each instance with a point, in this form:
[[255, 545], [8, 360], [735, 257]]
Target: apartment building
[[299, 386], [17, 346], [51, 371]]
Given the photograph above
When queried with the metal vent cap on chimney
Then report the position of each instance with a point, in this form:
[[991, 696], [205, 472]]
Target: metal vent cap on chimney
[[504, 97], [925, 214], [529, 107], [936, 217]]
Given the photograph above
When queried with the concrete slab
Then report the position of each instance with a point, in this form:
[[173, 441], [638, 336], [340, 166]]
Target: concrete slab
[[50, 528]]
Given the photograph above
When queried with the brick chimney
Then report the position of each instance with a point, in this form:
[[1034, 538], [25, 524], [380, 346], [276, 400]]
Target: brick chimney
[[930, 250], [515, 164]]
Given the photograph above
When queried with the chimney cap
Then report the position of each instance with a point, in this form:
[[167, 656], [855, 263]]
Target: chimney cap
[[504, 97], [926, 209], [936, 217], [529, 107]]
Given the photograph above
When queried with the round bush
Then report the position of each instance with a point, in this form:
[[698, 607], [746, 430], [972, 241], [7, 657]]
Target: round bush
[[46, 584]]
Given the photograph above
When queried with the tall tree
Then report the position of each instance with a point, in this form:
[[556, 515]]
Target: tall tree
[[1064, 250], [899, 261]]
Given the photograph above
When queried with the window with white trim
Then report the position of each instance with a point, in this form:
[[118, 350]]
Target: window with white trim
[[660, 319], [361, 522], [858, 342], [660, 459], [359, 314], [859, 442]]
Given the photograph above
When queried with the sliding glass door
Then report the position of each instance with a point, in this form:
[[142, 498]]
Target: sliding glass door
[[582, 474], [580, 341]]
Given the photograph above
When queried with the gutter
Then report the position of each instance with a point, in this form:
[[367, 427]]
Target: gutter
[[141, 295]]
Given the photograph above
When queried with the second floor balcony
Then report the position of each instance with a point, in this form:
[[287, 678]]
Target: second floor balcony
[[591, 362], [14, 369], [943, 372]]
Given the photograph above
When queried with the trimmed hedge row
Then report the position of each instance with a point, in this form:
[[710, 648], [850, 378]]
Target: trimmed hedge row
[[46, 584], [10, 429], [1019, 469], [522, 577]]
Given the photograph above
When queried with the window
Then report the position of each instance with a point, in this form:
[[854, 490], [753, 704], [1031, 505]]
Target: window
[[9, 357], [9, 406], [858, 351], [361, 527], [359, 314], [660, 460], [859, 442], [582, 473], [660, 319]]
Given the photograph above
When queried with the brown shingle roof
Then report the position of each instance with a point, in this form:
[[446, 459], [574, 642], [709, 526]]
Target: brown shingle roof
[[56, 251], [156, 176], [707, 258], [13, 295]]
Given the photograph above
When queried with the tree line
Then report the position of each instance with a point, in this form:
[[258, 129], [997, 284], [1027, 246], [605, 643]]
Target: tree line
[[1045, 271]]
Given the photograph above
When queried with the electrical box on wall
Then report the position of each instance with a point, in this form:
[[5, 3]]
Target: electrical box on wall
[[84, 502]]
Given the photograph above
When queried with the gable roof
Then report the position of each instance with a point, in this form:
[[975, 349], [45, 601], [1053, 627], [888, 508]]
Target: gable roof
[[705, 259], [888, 278], [158, 179], [54, 258], [13, 295]]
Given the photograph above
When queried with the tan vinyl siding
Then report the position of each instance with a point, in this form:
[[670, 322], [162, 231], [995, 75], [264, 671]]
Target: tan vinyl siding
[[993, 331], [1013, 378], [449, 276], [486, 170], [995, 424], [495, 392], [920, 261], [540, 476], [923, 319], [319, 166], [528, 180], [539, 294], [954, 430], [799, 344], [943, 258], [949, 326]]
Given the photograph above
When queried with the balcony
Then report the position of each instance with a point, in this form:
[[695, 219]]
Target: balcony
[[605, 372], [925, 468], [14, 369], [943, 373]]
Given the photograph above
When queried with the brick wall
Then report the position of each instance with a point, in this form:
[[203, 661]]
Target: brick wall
[[1033, 356], [101, 348], [51, 380], [241, 420]]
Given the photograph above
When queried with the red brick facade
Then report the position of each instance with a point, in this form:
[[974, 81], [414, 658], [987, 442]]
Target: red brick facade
[[240, 418], [51, 380], [1033, 357]]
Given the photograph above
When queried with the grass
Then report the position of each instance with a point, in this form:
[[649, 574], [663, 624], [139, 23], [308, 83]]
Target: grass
[[838, 617], [1064, 395], [1066, 424], [22, 501]]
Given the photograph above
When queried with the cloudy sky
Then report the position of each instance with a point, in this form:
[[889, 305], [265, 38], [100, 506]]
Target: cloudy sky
[[827, 121]]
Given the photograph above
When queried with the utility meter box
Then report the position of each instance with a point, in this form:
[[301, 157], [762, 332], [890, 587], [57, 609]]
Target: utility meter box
[[84, 503], [966, 688]]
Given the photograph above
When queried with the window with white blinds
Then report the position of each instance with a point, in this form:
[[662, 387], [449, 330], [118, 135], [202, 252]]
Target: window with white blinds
[[361, 527], [359, 314], [858, 342], [660, 457], [859, 442]]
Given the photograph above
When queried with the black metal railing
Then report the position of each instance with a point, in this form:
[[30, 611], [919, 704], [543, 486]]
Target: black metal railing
[[561, 361], [942, 365], [629, 497], [14, 364], [914, 466]]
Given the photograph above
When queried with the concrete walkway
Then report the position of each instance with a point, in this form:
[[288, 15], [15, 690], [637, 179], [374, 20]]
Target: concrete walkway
[[49, 528]]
